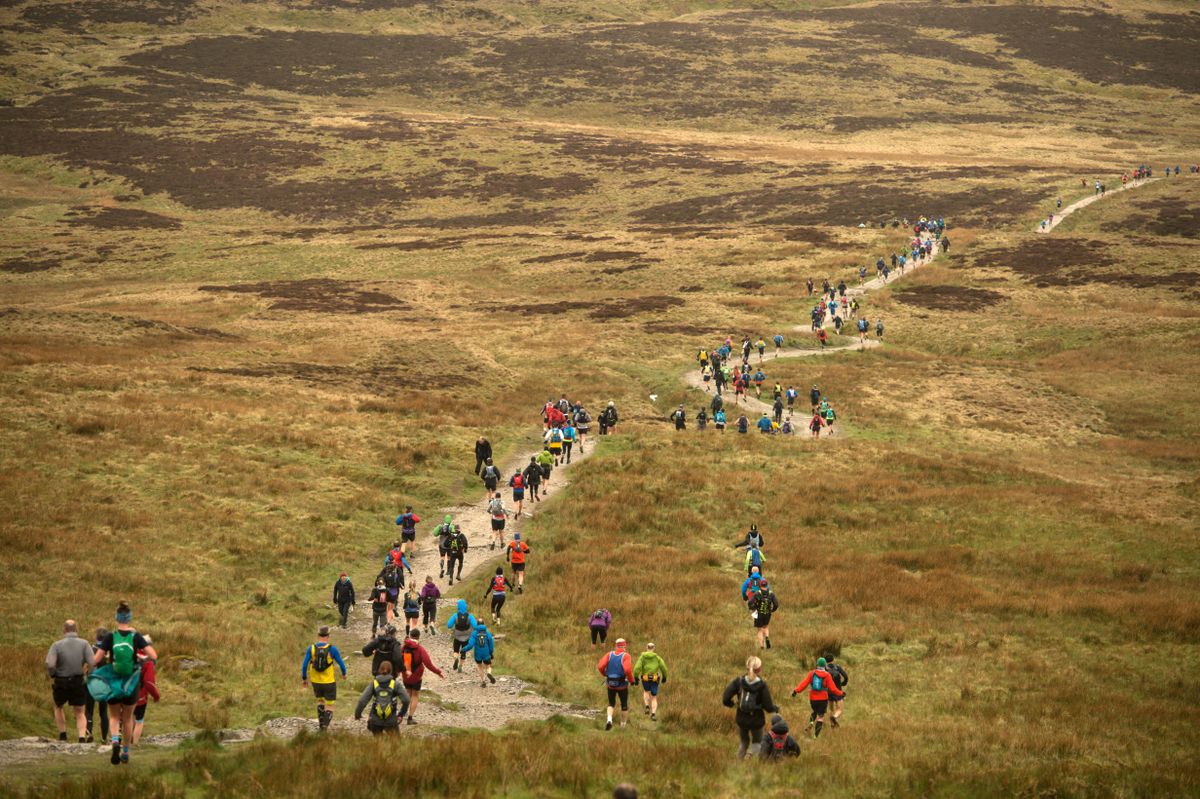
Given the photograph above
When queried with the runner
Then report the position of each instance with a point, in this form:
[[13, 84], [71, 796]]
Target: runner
[[569, 435], [778, 409], [67, 662], [583, 423], [442, 533], [651, 671], [822, 337], [863, 328], [517, 484], [778, 743], [412, 609], [702, 419], [554, 443], [382, 649], [743, 424], [719, 420], [598, 624], [430, 594], [762, 605], [617, 669], [483, 646], [778, 344], [751, 583], [815, 396], [515, 554], [460, 626], [840, 678], [830, 416], [878, 328], [498, 588], [456, 550], [546, 461], [753, 538], [483, 453], [761, 346], [755, 557], [415, 660], [323, 659], [533, 479], [739, 388], [393, 579], [759, 377], [679, 417], [608, 419], [491, 478], [148, 689], [752, 698], [379, 606], [746, 350], [819, 684], [497, 513], [343, 598], [384, 693], [408, 522], [118, 651]]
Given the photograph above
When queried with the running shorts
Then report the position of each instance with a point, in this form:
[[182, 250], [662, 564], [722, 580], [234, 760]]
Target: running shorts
[[325, 690], [622, 694]]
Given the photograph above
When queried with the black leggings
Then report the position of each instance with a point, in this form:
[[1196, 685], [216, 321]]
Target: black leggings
[[567, 450], [428, 613], [89, 706], [497, 603], [745, 737], [451, 559], [599, 635]]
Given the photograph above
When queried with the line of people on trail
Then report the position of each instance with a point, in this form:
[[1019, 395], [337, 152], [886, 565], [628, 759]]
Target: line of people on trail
[[116, 676], [769, 423]]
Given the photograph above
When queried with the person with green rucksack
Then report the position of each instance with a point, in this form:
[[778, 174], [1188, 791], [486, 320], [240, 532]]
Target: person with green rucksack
[[118, 669], [388, 701]]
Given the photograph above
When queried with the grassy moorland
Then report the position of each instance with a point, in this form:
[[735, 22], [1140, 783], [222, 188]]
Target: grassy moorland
[[269, 268]]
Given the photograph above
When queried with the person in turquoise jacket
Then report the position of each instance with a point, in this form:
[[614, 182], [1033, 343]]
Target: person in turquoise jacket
[[483, 646], [461, 626]]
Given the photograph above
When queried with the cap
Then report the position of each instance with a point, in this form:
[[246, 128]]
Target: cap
[[323, 632]]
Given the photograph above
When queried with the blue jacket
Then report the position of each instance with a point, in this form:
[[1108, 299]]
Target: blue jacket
[[462, 608], [333, 653], [764, 424], [482, 649]]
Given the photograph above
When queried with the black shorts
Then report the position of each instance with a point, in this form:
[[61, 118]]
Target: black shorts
[[70, 691], [518, 567], [139, 713], [619, 693], [408, 535], [487, 662], [819, 706], [762, 621], [497, 524], [457, 645], [414, 687], [325, 690], [490, 485]]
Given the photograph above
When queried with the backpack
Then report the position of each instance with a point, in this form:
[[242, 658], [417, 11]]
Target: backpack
[[764, 604], [480, 641], [385, 699], [462, 622], [491, 473], [454, 544], [818, 682], [386, 647], [755, 557], [322, 658], [411, 604], [614, 672], [742, 422], [391, 576], [124, 659], [777, 742], [411, 659], [556, 436], [582, 417], [518, 481], [749, 700], [840, 677], [598, 615], [499, 584]]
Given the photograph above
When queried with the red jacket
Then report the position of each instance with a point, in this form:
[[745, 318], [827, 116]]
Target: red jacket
[[414, 656], [830, 686], [149, 687], [556, 417], [602, 666]]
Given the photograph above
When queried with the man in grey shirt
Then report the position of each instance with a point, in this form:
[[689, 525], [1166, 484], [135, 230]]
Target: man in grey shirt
[[66, 662]]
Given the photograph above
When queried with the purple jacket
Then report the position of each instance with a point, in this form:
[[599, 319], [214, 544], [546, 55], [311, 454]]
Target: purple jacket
[[429, 593], [601, 621]]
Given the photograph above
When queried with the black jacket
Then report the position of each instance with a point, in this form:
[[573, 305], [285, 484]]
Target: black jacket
[[756, 599], [483, 449], [343, 593], [746, 542], [778, 744], [752, 717], [384, 648], [533, 475]]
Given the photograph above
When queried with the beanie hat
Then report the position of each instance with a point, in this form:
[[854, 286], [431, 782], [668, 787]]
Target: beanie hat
[[516, 536], [821, 663]]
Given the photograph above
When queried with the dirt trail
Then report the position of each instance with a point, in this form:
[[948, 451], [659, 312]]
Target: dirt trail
[[1063, 213]]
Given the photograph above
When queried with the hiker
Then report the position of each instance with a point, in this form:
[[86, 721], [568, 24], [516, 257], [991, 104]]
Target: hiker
[[719, 420], [752, 698], [755, 557], [533, 479], [414, 660], [598, 624], [553, 441], [778, 743], [608, 419], [830, 416], [456, 550], [583, 423], [840, 678], [517, 484], [546, 460], [482, 645], [759, 377], [442, 533], [569, 436], [809, 284], [778, 409], [343, 598], [702, 420], [863, 328], [751, 583], [67, 662], [379, 605], [490, 477], [383, 693], [498, 514], [822, 337], [384, 648], [878, 328], [815, 423], [118, 652], [412, 609], [483, 453], [498, 588], [679, 417], [515, 554], [762, 605], [746, 350], [323, 659], [91, 706], [651, 671], [392, 578], [460, 626], [778, 339], [395, 557], [753, 538], [617, 669], [430, 594], [407, 522], [148, 690], [764, 424], [819, 684]]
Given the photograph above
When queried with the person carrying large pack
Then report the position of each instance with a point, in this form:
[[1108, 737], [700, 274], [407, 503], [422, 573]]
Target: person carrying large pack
[[388, 700], [482, 645], [117, 679], [617, 670], [751, 697], [460, 625]]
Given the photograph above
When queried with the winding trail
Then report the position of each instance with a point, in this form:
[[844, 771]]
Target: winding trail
[[1063, 213]]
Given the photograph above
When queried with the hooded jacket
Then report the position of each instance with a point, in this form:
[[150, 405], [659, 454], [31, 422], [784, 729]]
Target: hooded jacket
[[481, 644], [384, 648], [343, 592], [418, 660], [778, 743], [750, 718], [461, 635], [430, 593], [650, 665]]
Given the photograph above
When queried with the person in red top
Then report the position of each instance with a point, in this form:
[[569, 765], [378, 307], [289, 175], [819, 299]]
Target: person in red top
[[555, 417], [149, 689], [413, 662], [515, 554], [617, 669], [820, 685]]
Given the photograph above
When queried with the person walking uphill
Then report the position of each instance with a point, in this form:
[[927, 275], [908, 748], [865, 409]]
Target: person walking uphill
[[320, 664], [498, 587], [414, 660], [67, 661], [651, 671], [118, 653], [456, 550], [598, 624], [751, 697], [516, 553], [460, 625], [755, 557], [383, 649], [482, 645], [608, 419], [617, 669], [430, 594], [343, 598], [483, 453], [388, 699], [763, 604], [820, 684]]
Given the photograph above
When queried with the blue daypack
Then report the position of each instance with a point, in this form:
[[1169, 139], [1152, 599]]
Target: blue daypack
[[614, 672]]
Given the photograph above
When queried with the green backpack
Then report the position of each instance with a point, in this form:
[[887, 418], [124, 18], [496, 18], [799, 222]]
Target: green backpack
[[124, 659], [385, 699]]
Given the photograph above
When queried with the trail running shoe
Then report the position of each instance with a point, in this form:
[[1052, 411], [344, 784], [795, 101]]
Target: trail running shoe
[[491, 679], [125, 755], [607, 725], [116, 753]]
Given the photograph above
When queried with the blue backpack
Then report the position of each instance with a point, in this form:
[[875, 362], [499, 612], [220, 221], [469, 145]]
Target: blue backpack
[[614, 672], [755, 557], [818, 682]]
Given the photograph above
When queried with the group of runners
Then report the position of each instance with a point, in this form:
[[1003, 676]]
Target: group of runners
[[113, 679], [773, 422]]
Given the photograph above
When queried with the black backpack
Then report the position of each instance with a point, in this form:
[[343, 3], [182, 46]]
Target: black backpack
[[462, 622], [840, 677], [391, 576], [749, 698], [385, 647], [764, 603], [322, 657]]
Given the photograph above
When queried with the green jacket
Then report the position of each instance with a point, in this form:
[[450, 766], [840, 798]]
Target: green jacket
[[762, 557], [649, 663], [546, 458]]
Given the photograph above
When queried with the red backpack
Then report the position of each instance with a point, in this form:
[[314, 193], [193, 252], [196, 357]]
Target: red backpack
[[499, 584], [518, 481]]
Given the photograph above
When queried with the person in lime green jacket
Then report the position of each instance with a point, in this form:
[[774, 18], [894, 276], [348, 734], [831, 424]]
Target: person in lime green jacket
[[545, 459], [651, 671]]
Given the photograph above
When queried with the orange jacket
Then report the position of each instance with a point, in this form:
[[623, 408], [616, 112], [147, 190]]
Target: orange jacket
[[830, 686], [517, 550]]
